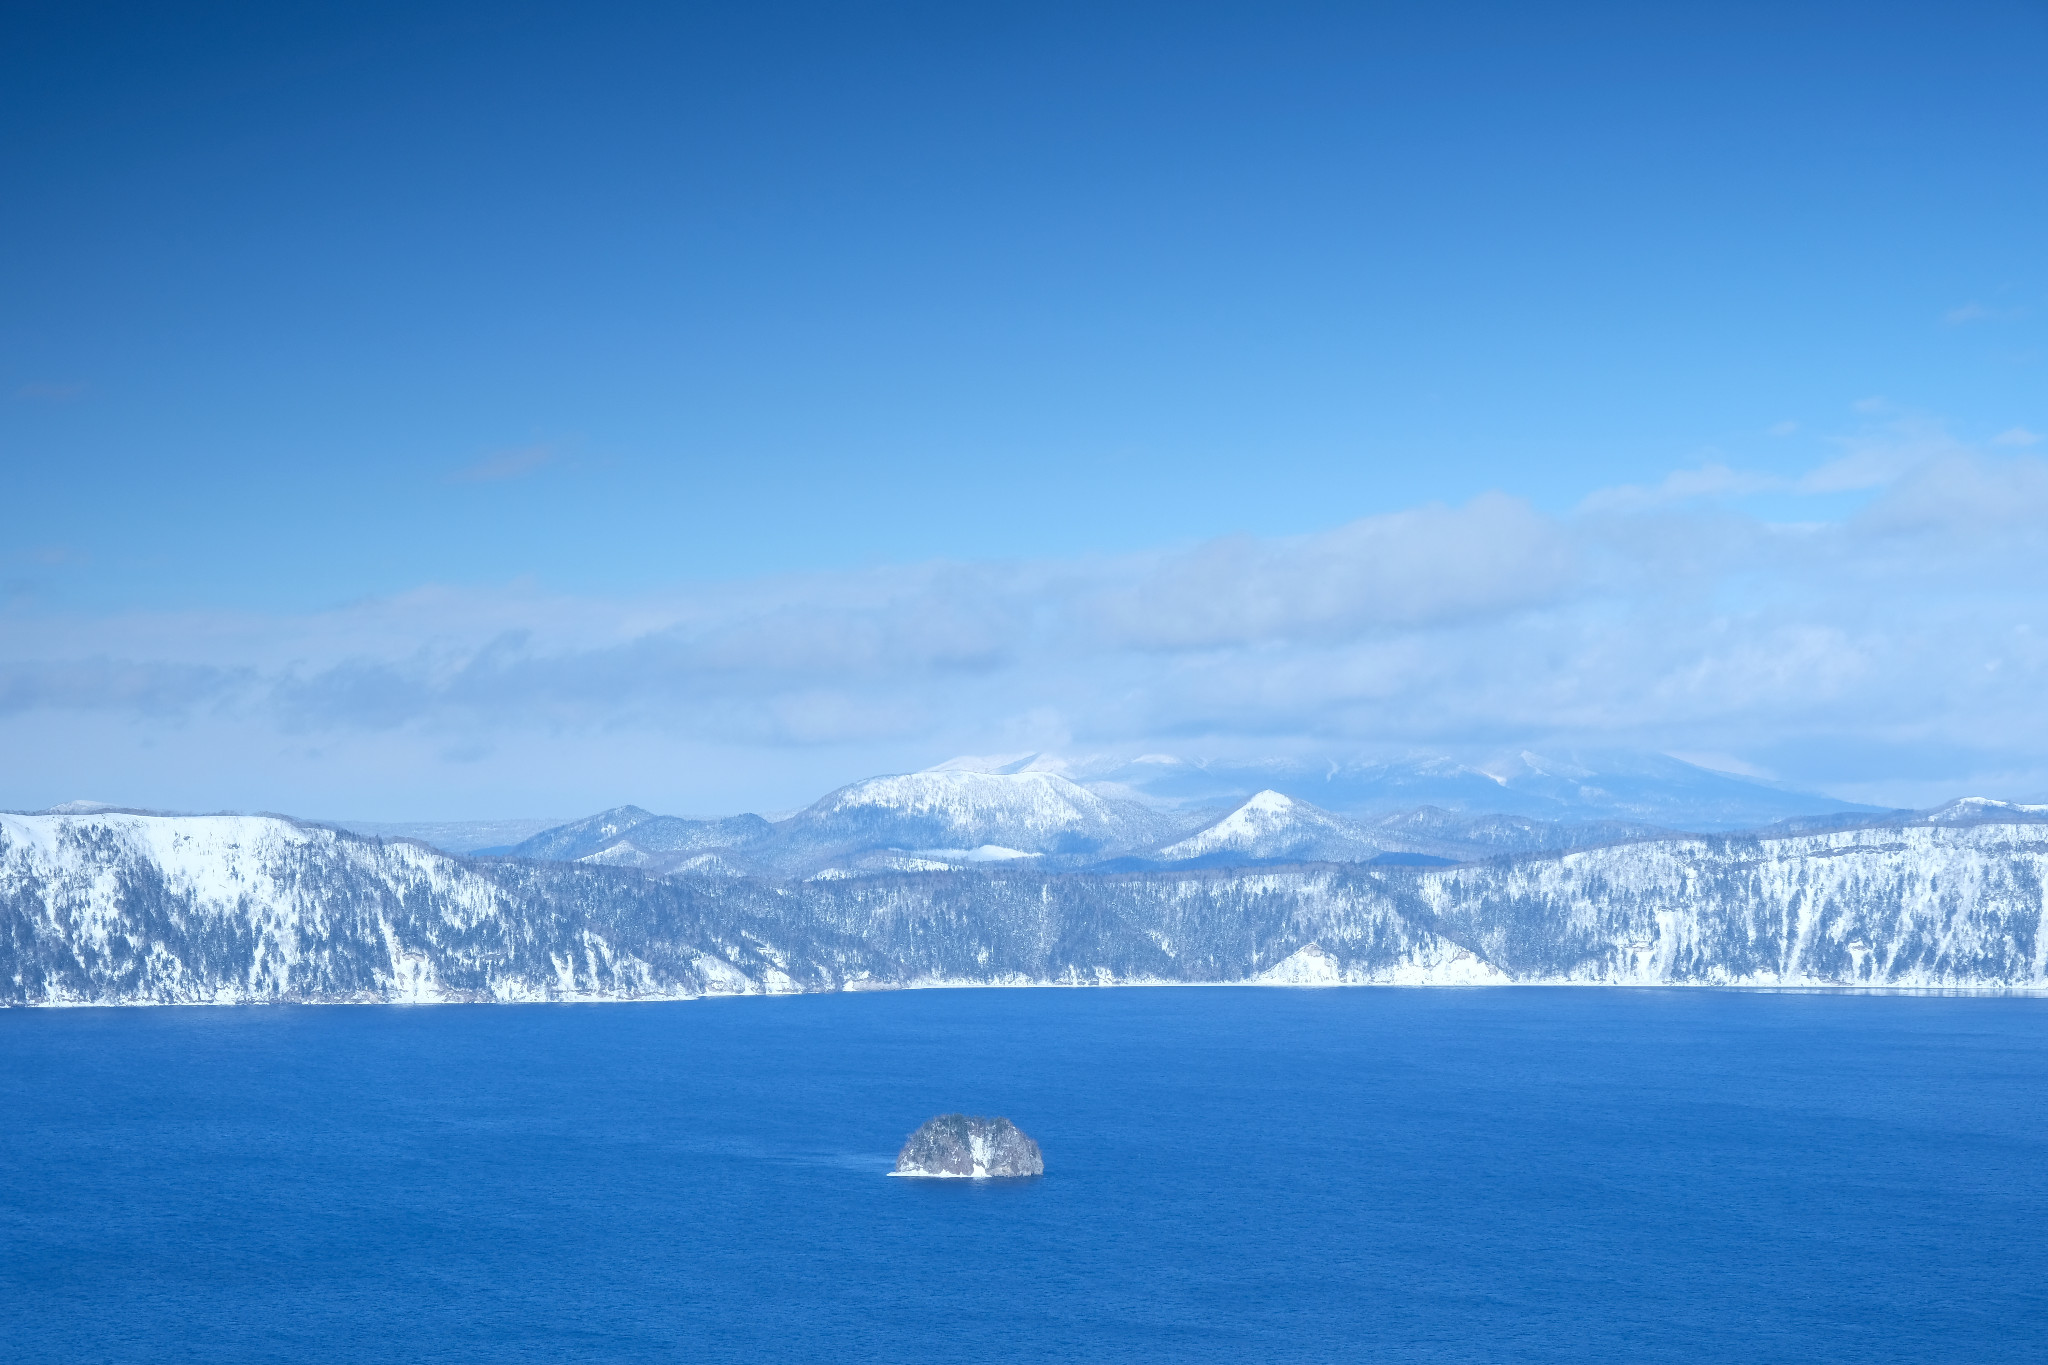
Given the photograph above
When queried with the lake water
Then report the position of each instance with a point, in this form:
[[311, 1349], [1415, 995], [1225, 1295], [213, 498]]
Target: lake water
[[1232, 1175]]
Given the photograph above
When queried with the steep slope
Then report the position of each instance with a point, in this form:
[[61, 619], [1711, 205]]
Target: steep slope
[[124, 908], [1921, 904], [128, 909]]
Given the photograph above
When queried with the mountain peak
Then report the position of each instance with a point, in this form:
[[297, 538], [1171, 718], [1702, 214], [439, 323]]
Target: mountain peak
[[1271, 824], [1031, 810]]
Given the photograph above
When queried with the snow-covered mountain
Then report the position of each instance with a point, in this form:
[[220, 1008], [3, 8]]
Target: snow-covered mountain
[[1033, 812], [928, 821], [1972, 809], [1273, 827], [1464, 837], [975, 810], [118, 907], [627, 836], [125, 908], [451, 836], [1516, 802], [1642, 789]]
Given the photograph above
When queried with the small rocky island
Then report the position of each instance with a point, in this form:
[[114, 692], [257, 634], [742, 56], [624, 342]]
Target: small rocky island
[[977, 1148]]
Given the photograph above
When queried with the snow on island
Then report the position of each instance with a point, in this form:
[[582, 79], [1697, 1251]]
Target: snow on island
[[954, 1145]]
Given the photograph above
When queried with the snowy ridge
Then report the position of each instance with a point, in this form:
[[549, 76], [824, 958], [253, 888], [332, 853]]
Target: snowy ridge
[[1921, 906], [1155, 808], [1984, 808], [119, 908], [122, 908], [1644, 789], [952, 815], [930, 821], [628, 836], [1039, 812], [1271, 825]]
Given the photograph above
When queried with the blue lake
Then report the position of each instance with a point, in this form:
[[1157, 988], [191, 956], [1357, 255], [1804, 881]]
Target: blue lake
[[1233, 1174]]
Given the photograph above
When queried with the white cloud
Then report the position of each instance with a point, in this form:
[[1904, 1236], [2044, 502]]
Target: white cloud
[[1914, 626], [1876, 457], [1420, 568], [1682, 485], [1964, 494], [1726, 763]]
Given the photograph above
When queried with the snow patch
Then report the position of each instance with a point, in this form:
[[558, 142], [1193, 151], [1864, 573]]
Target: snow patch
[[986, 853], [1307, 965]]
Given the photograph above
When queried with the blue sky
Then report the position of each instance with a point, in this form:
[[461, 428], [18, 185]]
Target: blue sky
[[433, 411]]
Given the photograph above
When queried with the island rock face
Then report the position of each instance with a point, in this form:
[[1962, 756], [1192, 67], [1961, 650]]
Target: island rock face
[[957, 1145]]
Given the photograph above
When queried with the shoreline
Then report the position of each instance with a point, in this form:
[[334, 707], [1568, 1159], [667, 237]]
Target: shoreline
[[2033, 991]]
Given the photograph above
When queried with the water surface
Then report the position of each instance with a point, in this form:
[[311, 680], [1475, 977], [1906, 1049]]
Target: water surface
[[1233, 1175]]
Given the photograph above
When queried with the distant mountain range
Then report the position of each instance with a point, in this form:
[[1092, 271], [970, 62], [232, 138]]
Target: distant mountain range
[[453, 836], [1119, 807], [1158, 811], [932, 821], [1644, 789]]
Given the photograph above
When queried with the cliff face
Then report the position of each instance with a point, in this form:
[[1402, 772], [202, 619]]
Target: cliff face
[[956, 1145], [124, 909], [1891, 906], [132, 909]]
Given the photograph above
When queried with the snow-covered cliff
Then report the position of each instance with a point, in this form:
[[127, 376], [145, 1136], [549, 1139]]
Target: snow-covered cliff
[[1933, 904], [121, 908]]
